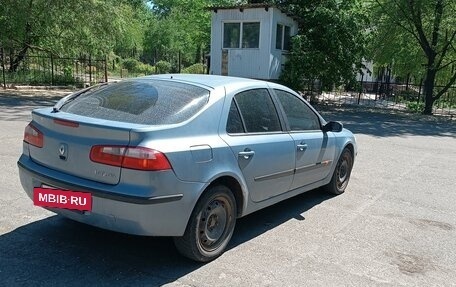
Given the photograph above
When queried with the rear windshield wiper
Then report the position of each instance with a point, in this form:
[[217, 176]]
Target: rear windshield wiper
[[65, 100]]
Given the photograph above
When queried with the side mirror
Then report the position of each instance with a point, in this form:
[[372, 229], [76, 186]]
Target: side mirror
[[336, 127]]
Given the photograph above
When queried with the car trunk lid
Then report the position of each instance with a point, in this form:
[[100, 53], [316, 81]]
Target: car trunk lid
[[68, 140]]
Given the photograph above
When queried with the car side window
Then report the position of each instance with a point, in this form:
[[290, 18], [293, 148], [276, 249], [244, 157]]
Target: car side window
[[258, 111], [234, 123], [300, 116]]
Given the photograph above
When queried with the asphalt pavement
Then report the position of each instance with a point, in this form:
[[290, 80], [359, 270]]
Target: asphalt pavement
[[394, 226]]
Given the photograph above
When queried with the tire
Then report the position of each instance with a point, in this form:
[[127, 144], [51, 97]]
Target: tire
[[210, 227], [341, 175]]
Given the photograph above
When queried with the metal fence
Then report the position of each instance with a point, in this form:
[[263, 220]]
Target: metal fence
[[46, 69], [389, 95]]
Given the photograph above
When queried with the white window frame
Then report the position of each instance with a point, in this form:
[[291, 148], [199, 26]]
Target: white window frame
[[241, 32], [282, 41]]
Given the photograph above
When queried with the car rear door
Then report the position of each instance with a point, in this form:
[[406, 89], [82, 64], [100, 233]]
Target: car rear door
[[264, 152], [314, 150]]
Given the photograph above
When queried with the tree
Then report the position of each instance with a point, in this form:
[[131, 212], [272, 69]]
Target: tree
[[179, 27], [330, 43], [419, 35], [130, 23], [70, 27]]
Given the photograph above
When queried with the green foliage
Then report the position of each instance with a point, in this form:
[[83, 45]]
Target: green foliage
[[71, 27], [68, 71], [416, 38], [179, 26], [330, 43], [184, 29], [146, 69], [405, 96], [163, 67], [195, 69], [131, 23], [415, 107], [131, 65], [135, 66], [41, 77]]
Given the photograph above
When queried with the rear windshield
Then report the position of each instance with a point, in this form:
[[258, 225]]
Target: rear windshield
[[150, 102]]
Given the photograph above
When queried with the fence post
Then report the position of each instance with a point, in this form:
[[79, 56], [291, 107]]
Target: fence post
[[52, 70], [90, 70], [388, 81], [106, 69], [377, 84], [407, 84], [179, 59], [3, 67], [361, 88]]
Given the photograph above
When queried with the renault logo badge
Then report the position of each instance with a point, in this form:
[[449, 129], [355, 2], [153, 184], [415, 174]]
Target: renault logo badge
[[63, 151]]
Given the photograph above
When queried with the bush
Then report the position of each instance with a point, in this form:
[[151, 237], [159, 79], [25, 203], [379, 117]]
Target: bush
[[163, 67], [131, 65], [195, 69], [407, 96], [40, 77], [291, 77], [146, 69], [415, 107], [135, 66], [68, 71]]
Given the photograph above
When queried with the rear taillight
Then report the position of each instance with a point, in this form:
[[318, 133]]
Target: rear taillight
[[33, 136], [145, 159], [140, 158], [110, 155]]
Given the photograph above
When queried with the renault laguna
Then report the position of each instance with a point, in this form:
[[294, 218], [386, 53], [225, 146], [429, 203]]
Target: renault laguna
[[182, 156]]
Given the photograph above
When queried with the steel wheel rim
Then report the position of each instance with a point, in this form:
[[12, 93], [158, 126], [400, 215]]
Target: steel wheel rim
[[213, 223], [343, 172]]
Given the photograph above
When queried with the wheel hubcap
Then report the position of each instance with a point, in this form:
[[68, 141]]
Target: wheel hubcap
[[213, 224], [343, 172]]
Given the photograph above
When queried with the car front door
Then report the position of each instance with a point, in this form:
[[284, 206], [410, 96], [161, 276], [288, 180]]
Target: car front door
[[314, 149], [265, 153]]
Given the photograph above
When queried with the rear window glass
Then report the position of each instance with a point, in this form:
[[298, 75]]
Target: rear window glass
[[150, 102]]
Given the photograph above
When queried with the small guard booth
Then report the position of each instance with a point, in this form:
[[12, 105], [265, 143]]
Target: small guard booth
[[250, 41]]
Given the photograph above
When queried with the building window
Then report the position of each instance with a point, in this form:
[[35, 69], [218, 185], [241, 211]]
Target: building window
[[279, 36], [283, 37], [241, 35], [231, 34], [251, 35], [287, 38]]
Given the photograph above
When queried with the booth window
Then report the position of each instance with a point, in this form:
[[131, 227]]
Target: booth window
[[283, 37], [241, 35]]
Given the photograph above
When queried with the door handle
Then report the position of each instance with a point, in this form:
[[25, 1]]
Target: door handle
[[246, 154], [301, 147]]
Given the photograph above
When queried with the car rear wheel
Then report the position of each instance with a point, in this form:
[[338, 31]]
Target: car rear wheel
[[210, 227], [341, 174]]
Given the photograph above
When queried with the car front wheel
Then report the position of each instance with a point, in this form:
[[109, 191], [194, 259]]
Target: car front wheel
[[342, 172], [210, 227]]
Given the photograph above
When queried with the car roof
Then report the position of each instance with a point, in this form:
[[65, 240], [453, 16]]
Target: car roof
[[211, 81]]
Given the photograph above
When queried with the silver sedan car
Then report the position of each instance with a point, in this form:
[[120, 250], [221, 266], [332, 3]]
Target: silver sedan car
[[180, 155]]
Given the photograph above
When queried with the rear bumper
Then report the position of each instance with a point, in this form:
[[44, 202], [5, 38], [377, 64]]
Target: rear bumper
[[166, 214]]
